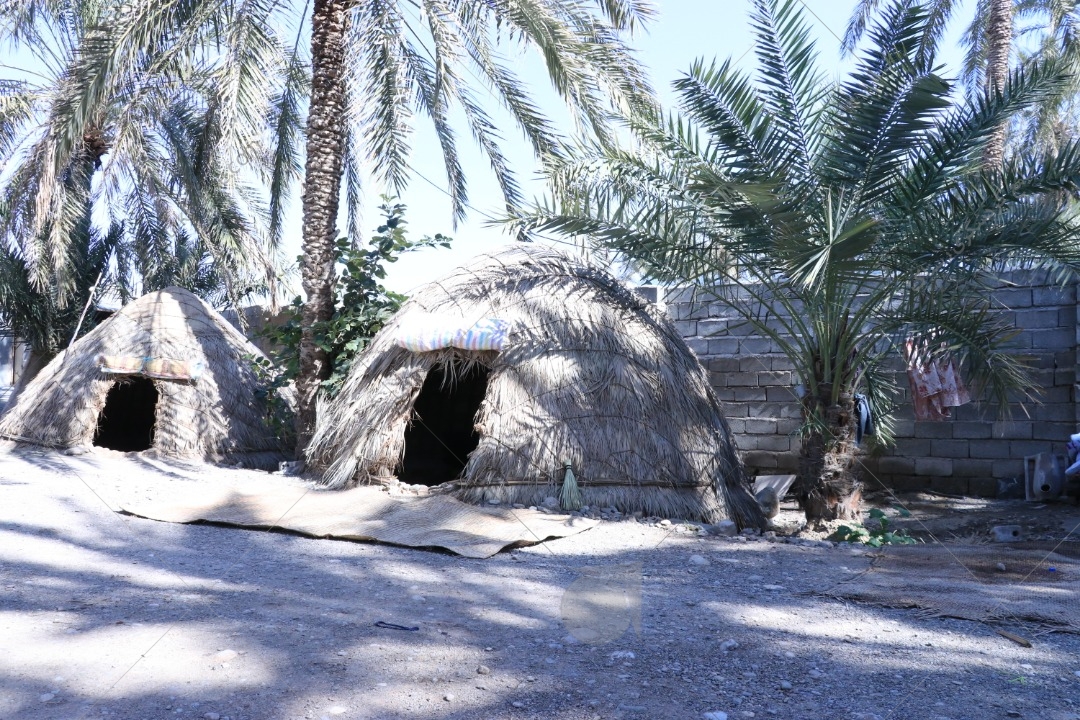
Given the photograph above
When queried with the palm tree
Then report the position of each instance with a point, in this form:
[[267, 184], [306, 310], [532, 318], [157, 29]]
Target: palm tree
[[838, 221], [374, 64], [990, 40], [155, 159]]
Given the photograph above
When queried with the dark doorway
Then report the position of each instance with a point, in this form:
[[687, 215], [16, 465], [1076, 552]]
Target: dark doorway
[[127, 422], [441, 431]]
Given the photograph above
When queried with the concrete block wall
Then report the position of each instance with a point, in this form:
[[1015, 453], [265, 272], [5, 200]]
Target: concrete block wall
[[964, 455]]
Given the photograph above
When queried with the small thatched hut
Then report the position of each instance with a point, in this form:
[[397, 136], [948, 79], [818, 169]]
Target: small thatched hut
[[589, 374], [165, 373]]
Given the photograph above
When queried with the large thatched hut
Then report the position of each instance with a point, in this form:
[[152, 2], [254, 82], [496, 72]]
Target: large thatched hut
[[589, 374], [166, 373]]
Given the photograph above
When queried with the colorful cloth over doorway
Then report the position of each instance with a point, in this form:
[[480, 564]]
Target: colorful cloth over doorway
[[432, 332]]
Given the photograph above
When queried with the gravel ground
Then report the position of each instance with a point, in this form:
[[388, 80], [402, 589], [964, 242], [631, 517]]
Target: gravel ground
[[110, 616]]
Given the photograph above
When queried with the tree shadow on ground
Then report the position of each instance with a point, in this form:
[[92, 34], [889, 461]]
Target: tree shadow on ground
[[111, 616]]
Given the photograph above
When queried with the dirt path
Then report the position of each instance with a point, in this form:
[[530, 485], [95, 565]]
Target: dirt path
[[111, 616]]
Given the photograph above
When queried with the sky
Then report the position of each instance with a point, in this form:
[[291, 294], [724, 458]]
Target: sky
[[683, 31]]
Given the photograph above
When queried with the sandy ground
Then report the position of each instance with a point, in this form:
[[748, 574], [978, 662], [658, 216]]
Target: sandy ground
[[110, 616]]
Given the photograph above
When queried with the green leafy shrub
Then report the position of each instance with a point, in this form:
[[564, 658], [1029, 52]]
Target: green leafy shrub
[[876, 536], [362, 306]]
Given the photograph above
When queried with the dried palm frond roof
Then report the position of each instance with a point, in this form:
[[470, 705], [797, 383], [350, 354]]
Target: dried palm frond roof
[[591, 374], [222, 416]]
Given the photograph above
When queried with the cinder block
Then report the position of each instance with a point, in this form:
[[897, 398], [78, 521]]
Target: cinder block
[[1053, 431], [765, 379], [1064, 376], [789, 410], [1042, 378], [1056, 339], [989, 449], [759, 459], [748, 394], [1056, 394], [937, 430], [912, 447], [893, 465], [1043, 360], [949, 485], [788, 426], [741, 379], [971, 430], [740, 328], [736, 425], [1021, 341], [949, 448], [696, 311], [1022, 448], [699, 345], [972, 412], [903, 427], [781, 362], [1014, 297], [982, 487], [1048, 296], [1055, 413], [1008, 468], [686, 328], [789, 462], [1037, 318], [711, 327], [723, 364], [908, 483], [680, 295], [966, 467], [722, 346], [723, 394], [765, 409], [754, 363], [933, 467], [755, 345], [736, 410], [760, 426], [781, 394], [776, 443], [1065, 358], [1012, 429]]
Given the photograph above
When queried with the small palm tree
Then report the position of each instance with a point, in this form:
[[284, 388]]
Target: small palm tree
[[837, 220]]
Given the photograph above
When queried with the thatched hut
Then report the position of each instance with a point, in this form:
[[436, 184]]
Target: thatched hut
[[166, 373], [590, 375]]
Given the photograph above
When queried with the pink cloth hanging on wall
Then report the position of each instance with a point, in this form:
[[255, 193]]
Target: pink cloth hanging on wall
[[936, 384]]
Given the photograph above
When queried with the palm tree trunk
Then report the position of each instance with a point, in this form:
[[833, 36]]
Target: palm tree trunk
[[322, 182], [829, 487], [998, 46]]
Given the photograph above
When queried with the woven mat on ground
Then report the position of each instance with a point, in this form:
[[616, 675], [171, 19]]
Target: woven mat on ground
[[364, 513], [1040, 583]]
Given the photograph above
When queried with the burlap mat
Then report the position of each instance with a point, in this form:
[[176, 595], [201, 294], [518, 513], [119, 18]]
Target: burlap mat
[[364, 513], [1040, 582]]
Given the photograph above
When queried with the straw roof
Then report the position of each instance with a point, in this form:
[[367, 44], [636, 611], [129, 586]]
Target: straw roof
[[591, 373], [222, 416]]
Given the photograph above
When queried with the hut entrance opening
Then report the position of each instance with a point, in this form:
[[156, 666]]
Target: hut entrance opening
[[441, 432], [127, 421]]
